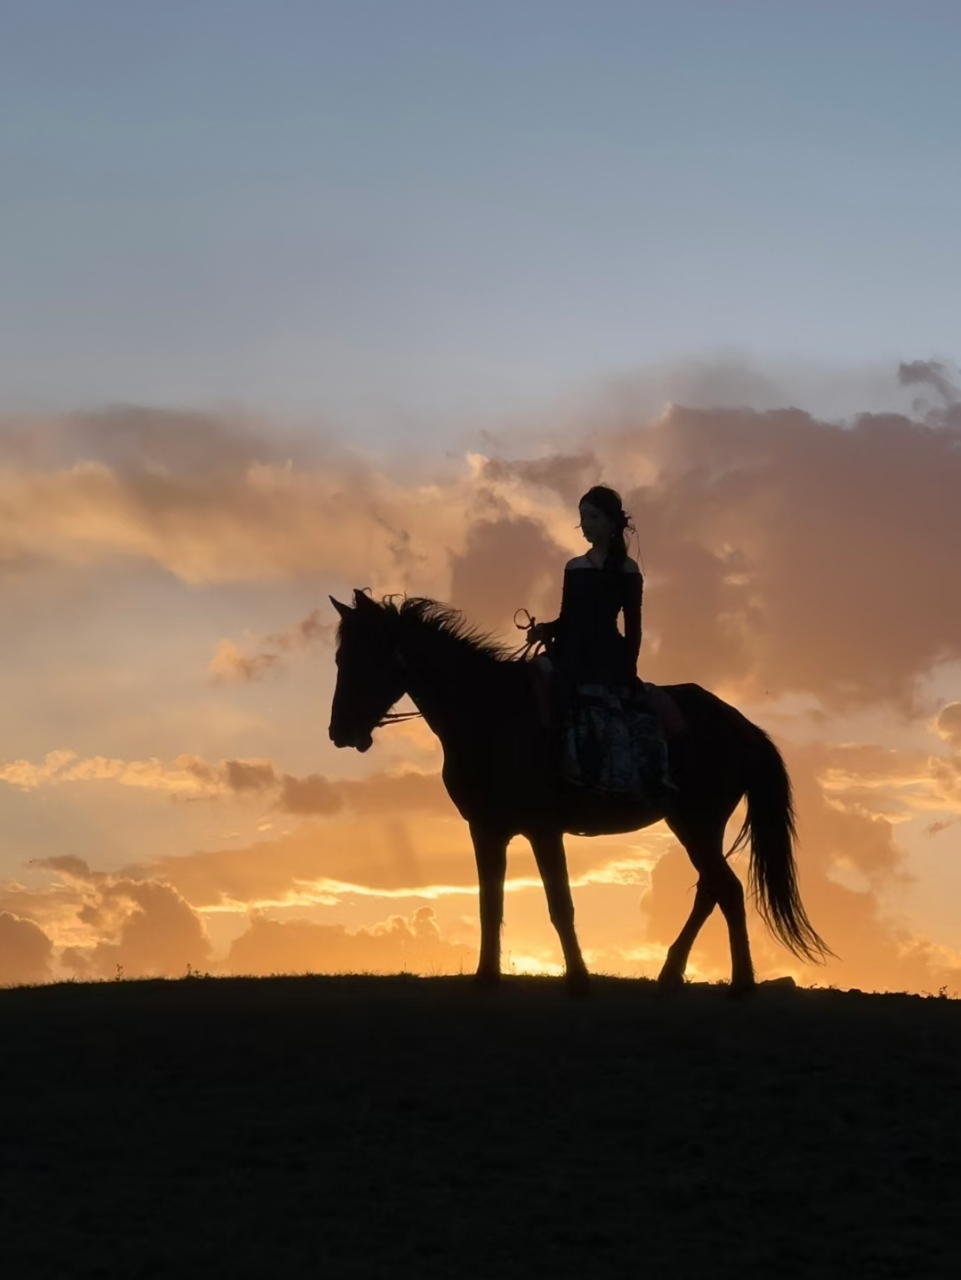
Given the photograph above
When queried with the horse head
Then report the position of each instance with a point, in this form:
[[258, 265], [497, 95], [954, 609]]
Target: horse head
[[370, 676]]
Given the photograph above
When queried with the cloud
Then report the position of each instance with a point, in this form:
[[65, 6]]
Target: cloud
[[930, 373], [790, 555], [142, 928], [569, 475], [400, 944], [387, 855], [783, 553], [248, 775], [889, 782], [192, 777], [134, 439], [313, 794], [230, 665], [507, 563], [230, 511], [25, 951], [186, 776], [948, 723]]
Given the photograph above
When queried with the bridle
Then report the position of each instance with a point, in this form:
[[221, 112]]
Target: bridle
[[397, 717]]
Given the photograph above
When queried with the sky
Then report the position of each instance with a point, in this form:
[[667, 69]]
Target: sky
[[301, 297]]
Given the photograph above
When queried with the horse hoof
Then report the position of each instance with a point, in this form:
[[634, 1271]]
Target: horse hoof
[[578, 985], [670, 980], [741, 989], [485, 979]]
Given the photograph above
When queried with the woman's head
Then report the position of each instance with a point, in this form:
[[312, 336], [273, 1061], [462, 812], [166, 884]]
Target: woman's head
[[604, 521]]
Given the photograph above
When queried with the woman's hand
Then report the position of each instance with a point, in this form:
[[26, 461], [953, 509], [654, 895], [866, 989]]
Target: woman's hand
[[537, 632]]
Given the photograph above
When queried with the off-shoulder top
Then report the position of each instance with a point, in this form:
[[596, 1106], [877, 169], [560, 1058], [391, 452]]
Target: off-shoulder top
[[587, 646]]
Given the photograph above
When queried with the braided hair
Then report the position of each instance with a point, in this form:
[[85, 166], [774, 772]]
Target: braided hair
[[609, 501]]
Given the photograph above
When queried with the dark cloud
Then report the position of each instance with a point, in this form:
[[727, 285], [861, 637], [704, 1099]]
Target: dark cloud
[[795, 555], [313, 794], [70, 867], [249, 775], [502, 568], [25, 951], [231, 665], [930, 373]]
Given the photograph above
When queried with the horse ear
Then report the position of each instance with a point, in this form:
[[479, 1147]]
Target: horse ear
[[363, 601], [342, 609]]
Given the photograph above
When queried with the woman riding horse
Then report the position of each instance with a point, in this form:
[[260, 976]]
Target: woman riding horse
[[605, 730], [584, 643], [477, 698]]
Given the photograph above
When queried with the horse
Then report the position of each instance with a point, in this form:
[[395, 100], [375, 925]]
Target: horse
[[478, 698]]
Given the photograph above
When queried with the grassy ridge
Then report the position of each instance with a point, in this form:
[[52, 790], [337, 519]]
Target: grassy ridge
[[398, 1126]]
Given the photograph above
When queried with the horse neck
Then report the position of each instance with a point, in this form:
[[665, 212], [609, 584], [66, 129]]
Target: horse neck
[[449, 682]]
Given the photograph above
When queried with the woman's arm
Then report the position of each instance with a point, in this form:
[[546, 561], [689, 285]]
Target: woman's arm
[[633, 591], [557, 630]]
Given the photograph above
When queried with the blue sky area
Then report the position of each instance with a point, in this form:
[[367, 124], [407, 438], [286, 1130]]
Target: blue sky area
[[360, 207]]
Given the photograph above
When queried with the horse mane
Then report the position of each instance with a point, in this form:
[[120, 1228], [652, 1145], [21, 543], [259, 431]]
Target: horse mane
[[444, 620]]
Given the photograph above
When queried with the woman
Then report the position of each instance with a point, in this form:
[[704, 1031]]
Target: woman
[[584, 645], [603, 726]]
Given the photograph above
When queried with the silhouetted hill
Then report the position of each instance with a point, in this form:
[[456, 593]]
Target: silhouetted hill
[[342, 1127]]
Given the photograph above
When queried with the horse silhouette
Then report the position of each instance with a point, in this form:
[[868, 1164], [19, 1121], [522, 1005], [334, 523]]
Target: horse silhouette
[[478, 699]]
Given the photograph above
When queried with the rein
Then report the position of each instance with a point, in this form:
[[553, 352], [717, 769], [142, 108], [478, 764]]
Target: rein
[[529, 645], [397, 717]]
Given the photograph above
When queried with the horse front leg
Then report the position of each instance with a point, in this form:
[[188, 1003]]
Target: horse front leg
[[490, 852], [552, 863]]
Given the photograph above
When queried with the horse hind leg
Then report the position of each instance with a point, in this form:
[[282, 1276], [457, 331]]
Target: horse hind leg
[[679, 952], [723, 886]]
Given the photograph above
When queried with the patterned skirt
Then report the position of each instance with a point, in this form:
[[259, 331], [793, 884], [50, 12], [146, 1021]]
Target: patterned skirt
[[612, 743]]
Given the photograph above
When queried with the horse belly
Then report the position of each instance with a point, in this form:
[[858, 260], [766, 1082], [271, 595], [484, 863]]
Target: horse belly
[[584, 815]]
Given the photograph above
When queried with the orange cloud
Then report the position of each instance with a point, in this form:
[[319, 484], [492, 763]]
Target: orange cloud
[[140, 928], [785, 553], [230, 665], [399, 944], [25, 951], [948, 723], [189, 776]]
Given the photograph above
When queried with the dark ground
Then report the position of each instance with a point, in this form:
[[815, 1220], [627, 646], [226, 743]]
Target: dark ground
[[375, 1127]]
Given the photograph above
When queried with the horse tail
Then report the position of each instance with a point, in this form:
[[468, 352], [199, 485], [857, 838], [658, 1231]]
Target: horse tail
[[772, 874]]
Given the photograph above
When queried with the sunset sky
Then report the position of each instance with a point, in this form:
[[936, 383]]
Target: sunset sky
[[303, 297]]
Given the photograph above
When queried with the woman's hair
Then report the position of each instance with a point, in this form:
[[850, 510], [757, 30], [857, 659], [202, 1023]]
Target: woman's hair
[[609, 501]]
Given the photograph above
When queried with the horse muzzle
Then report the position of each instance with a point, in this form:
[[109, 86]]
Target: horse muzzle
[[360, 741]]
